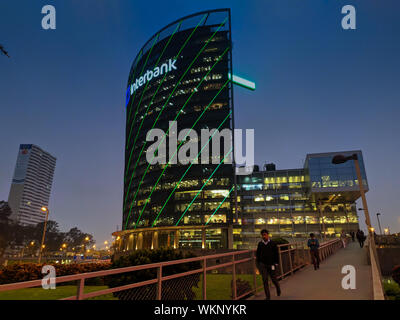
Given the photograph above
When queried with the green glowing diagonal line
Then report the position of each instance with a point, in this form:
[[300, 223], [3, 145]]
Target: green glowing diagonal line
[[141, 151], [165, 134], [159, 114], [183, 140], [180, 180], [176, 56], [147, 83], [203, 187], [145, 63], [220, 205]]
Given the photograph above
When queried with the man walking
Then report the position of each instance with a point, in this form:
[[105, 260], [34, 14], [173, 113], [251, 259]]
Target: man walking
[[360, 237], [267, 260], [313, 244]]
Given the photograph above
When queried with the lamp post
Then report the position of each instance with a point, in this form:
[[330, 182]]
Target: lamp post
[[46, 210], [379, 223], [322, 219], [338, 159]]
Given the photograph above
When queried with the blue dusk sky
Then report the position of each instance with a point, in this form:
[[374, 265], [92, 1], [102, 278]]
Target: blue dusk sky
[[319, 88]]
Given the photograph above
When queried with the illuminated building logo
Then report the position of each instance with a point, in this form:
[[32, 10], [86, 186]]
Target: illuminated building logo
[[150, 74]]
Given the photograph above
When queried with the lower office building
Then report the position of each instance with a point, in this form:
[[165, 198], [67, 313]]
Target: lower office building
[[291, 203]]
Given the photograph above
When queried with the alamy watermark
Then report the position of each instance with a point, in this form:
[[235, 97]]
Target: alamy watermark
[[188, 146], [49, 280]]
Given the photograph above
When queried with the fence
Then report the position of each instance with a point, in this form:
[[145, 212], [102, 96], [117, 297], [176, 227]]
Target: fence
[[231, 275], [376, 273]]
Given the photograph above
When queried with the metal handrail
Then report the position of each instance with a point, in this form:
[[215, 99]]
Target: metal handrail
[[328, 248]]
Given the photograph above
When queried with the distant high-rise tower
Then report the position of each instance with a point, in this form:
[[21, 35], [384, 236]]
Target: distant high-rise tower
[[31, 184]]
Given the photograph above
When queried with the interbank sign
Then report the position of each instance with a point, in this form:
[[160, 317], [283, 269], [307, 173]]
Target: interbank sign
[[150, 74]]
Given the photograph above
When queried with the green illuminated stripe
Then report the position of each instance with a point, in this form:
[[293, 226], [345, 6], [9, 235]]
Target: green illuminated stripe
[[183, 140], [147, 83], [132, 123], [145, 63], [201, 50], [141, 151], [180, 180], [165, 134], [220, 205], [203, 187], [176, 56]]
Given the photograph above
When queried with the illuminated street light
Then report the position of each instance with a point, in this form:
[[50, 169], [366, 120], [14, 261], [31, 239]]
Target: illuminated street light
[[379, 223], [47, 211]]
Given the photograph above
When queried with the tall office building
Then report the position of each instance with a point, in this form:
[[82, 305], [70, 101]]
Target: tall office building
[[31, 184], [179, 76]]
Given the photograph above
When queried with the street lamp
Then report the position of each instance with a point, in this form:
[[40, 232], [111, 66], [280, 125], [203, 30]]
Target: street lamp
[[379, 223], [338, 159], [45, 210]]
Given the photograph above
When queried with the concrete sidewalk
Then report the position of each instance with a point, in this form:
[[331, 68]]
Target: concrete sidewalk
[[326, 282]]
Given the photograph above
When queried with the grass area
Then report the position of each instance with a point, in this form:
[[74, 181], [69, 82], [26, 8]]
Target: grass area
[[218, 288], [219, 285], [58, 293], [392, 289]]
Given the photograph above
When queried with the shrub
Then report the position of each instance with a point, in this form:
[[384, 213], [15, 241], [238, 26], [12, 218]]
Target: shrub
[[176, 289], [392, 290], [33, 271], [396, 274], [242, 287], [280, 241]]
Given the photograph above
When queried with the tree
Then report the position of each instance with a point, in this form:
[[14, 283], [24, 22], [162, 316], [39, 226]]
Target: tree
[[5, 230], [3, 50], [5, 212]]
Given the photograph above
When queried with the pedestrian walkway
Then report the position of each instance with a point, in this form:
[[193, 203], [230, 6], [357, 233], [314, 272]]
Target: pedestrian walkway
[[326, 282]]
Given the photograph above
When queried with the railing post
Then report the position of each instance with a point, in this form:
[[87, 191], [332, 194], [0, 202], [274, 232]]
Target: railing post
[[296, 255], [205, 279], [280, 261], [253, 258], [81, 287], [159, 282], [234, 293], [290, 259]]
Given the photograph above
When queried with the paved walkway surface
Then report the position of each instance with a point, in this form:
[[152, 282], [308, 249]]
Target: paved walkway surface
[[326, 282]]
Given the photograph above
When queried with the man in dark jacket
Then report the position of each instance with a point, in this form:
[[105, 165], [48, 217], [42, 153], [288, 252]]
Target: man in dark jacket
[[360, 237], [313, 244], [267, 260]]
